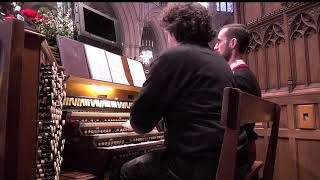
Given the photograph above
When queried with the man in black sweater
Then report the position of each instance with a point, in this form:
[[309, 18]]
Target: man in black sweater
[[185, 88], [232, 42]]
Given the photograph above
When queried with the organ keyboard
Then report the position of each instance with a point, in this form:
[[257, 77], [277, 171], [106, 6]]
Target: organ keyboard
[[95, 139]]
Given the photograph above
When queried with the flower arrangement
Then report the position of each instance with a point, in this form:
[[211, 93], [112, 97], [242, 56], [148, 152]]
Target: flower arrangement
[[48, 22], [55, 23]]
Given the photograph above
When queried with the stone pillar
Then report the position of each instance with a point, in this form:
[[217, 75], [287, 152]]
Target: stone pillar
[[131, 50], [125, 50]]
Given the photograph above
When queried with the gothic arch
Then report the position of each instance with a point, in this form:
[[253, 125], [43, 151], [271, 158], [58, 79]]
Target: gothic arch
[[153, 19], [255, 41], [302, 25], [131, 25], [273, 35], [161, 37], [126, 22]]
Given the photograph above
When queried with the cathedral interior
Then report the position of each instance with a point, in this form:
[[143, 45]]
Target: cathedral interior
[[89, 110]]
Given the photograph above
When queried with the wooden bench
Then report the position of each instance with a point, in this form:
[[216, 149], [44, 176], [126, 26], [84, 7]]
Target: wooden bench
[[254, 172], [238, 108]]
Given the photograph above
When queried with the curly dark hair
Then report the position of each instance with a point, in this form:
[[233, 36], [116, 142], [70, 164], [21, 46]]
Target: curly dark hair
[[188, 22]]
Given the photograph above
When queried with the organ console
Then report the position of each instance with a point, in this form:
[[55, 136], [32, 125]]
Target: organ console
[[96, 140], [57, 123], [32, 91], [95, 111], [49, 142]]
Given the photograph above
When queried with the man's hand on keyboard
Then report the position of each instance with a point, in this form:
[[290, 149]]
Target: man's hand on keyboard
[[127, 125]]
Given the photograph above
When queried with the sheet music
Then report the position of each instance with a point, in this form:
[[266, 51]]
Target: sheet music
[[98, 63], [137, 72], [116, 68]]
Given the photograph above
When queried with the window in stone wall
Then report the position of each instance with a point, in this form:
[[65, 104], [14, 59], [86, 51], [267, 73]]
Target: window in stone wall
[[147, 49], [225, 6]]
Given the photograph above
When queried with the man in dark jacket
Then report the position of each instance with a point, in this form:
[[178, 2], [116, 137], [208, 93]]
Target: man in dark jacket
[[232, 42], [185, 88]]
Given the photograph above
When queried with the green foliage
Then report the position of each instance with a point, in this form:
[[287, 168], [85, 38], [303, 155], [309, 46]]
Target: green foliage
[[55, 22]]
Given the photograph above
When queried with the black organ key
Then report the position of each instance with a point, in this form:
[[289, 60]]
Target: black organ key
[[50, 143], [47, 165], [46, 144], [45, 135], [46, 170], [48, 90], [48, 83], [48, 117], [48, 65], [47, 94], [43, 175], [48, 77], [44, 73], [46, 123], [46, 156], [46, 160], [45, 138]]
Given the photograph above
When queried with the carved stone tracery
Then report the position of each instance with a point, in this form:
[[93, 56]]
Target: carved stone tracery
[[255, 41], [273, 35], [302, 25]]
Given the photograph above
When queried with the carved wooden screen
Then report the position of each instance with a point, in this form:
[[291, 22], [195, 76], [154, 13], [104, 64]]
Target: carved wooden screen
[[304, 48], [284, 53]]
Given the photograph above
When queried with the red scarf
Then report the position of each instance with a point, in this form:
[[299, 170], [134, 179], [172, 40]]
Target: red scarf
[[237, 64]]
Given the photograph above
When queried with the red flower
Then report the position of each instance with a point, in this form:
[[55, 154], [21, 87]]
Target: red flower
[[46, 20], [9, 17], [30, 13], [39, 16]]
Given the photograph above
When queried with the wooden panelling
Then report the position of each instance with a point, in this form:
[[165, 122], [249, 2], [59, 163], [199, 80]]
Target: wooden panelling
[[271, 58], [252, 11], [299, 59], [15, 39], [20, 130], [292, 133], [284, 162], [314, 58], [305, 117], [251, 61], [273, 36], [298, 96], [5, 48], [283, 117], [261, 148], [73, 57], [317, 112], [262, 69], [29, 105], [284, 65], [303, 52], [308, 159], [285, 40], [269, 7]]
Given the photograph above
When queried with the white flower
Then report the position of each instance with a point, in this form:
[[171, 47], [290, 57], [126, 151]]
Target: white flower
[[58, 24]]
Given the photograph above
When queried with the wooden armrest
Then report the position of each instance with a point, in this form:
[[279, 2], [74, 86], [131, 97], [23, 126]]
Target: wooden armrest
[[254, 172], [69, 175]]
